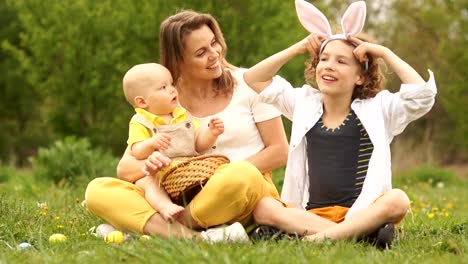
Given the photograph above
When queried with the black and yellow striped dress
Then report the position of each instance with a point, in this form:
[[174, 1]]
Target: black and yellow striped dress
[[337, 162]]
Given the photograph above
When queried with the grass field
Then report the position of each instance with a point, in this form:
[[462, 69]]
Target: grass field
[[436, 231]]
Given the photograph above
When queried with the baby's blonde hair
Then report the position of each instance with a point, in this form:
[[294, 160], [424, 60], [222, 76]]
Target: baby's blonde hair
[[136, 80]]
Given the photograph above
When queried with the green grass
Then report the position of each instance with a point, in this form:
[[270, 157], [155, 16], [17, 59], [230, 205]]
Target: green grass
[[31, 210]]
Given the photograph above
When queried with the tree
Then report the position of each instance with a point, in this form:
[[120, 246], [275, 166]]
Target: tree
[[20, 134], [432, 34], [75, 54], [65, 61]]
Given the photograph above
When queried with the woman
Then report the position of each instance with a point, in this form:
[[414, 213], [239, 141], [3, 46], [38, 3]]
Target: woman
[[193, 49]]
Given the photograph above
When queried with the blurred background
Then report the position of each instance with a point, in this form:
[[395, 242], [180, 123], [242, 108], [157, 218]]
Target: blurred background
[[62, 64]]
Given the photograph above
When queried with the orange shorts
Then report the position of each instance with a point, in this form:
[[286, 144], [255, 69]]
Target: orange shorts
[[335, 213]]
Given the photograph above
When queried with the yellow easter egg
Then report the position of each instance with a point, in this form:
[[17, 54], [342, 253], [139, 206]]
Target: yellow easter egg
[[57, 238], [115, 237]]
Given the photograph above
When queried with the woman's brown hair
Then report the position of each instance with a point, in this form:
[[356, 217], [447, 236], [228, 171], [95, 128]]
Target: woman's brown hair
[[374, 78], [172, 35]]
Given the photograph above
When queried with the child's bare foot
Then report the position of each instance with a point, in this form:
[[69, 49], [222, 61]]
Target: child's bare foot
[[171, 212]]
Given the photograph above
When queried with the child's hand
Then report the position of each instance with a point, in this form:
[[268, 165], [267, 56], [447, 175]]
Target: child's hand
[[216, 126], [363, 48], [161, 141], [154, 162], [310, 44]]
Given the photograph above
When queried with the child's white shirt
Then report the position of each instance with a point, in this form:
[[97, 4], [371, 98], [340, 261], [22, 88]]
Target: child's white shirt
[[384, 116]]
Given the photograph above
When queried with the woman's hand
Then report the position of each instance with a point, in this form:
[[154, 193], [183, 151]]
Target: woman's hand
[[155, 162]]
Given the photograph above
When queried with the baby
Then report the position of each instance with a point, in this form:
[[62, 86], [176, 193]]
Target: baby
[[160, 124]]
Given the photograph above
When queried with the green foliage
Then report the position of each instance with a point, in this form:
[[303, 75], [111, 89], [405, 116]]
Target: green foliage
[[430, 35], [6, 172], [76, 53], [65, 61], [278, 178], [72, 159], [20, 132]]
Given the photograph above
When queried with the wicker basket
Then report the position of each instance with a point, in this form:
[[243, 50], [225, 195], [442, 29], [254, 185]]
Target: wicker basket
[[185, 176]]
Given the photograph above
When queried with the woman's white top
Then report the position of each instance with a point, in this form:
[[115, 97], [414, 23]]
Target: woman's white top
[[241, 138]]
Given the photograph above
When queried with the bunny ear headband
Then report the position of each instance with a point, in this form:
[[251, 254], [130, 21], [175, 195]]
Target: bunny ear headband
[[315, 21]]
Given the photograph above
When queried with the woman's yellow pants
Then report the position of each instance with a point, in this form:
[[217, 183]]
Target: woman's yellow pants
[[229, 196]]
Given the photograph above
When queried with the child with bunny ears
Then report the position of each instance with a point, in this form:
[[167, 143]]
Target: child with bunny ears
[[339, 165]]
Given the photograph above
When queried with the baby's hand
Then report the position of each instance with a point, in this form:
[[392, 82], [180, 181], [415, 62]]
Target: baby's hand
[[161, 141], [154, 162], [216, 126]]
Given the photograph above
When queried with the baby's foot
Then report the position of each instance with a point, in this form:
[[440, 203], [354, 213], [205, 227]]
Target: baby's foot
[[171, 212]]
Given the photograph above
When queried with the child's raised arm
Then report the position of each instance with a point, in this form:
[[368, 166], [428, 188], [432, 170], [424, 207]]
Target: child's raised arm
[[260, 75], [402, 69]]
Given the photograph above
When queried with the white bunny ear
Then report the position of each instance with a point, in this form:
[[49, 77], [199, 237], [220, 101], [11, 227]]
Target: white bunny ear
[[312, 19], [354, 18]]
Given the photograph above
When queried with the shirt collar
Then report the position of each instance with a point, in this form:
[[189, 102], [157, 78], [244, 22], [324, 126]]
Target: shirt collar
[[179, 113]]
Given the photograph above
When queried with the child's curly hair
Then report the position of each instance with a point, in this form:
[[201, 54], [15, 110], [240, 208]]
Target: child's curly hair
[[374, 78]]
